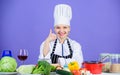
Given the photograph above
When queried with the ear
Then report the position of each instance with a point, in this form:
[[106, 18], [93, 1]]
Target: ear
[[69, 28]]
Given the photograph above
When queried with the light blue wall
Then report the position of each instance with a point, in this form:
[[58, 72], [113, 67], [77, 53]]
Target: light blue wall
[[26, 23]]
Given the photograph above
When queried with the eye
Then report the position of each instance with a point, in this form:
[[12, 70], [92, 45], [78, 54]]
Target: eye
[[65, 27], [57, 27]]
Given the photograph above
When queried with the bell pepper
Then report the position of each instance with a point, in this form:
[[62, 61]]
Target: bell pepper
[[73, 66]]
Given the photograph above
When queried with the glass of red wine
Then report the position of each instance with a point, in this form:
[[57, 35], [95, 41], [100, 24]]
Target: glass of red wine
[[22, 55]]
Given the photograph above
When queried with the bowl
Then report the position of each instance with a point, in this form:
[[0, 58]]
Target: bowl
[[94, 68]]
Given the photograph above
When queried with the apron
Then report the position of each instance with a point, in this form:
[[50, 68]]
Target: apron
[[54, 57]]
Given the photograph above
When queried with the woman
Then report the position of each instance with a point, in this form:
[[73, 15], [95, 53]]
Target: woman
[[59, 48]]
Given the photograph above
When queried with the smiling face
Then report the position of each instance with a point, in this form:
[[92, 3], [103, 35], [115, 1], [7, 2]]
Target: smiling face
[[62, 31]]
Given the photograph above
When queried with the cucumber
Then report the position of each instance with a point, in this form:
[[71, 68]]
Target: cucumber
[[63, 72]]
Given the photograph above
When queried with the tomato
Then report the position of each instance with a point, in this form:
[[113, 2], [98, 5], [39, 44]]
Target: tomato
[[76, 72], [83, 69], [36, 65]]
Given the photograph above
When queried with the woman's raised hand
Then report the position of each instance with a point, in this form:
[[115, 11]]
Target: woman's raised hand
[[51, 36]]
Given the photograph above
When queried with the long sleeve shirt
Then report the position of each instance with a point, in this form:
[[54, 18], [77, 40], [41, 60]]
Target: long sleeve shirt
[[63, 50]]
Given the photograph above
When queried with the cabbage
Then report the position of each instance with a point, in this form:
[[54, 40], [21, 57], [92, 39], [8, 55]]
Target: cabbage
[[25, 69], [8, 64], [0, 69]]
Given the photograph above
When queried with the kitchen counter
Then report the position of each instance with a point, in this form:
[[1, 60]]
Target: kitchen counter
[[108, 74], [92, 74], [52, 73]]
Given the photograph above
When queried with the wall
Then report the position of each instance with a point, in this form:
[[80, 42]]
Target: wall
[[25, 24]]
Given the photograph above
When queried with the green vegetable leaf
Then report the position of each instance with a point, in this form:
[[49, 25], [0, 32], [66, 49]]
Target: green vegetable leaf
[[43, 67], [25, 69], [8, 64], [53, 68]]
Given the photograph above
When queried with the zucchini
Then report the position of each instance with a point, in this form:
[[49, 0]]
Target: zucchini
[[63, 72]]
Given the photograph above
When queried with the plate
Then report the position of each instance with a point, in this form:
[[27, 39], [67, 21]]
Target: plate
[[8, 73]]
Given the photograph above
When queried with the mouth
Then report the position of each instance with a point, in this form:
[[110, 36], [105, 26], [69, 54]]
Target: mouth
[[61, 34]]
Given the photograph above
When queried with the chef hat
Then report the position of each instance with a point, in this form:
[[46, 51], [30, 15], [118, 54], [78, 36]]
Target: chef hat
[[62, 14]]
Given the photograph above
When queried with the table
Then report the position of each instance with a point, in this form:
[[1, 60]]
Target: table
[[58, 74], [108, 74], [92, 74]]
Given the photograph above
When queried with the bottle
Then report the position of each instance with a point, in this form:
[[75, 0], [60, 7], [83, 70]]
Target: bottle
[[115, 58], [105, 58], [115, 66]]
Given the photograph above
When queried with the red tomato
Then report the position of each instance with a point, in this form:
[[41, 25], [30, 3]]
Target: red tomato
[[36, 65], [83, 69], [76, 72]]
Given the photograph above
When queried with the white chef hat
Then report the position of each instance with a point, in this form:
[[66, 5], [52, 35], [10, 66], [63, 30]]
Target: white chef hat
[[62, 14]]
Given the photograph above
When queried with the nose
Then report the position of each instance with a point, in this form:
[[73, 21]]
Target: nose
[[61, 30]]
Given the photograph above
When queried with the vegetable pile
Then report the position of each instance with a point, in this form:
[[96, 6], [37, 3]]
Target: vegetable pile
[[42, 67], [74, 67], [8, 64]]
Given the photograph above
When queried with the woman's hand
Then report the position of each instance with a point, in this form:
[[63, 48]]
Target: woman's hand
[[58, 66], [46, 47], [51, 36]]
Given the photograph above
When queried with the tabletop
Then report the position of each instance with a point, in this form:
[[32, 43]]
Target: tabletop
[[108, 74]]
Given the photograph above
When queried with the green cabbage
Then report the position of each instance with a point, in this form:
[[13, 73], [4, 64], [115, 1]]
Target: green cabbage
[[8, 64], [25, 69], [0, 69]]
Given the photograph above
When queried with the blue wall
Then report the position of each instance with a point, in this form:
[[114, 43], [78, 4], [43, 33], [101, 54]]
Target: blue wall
[[26, 23]]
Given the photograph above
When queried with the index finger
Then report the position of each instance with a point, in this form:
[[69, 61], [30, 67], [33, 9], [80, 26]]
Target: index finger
[[50, 31]]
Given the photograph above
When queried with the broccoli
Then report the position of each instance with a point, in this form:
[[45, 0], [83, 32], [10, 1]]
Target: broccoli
[[43, 67], [53, 68]]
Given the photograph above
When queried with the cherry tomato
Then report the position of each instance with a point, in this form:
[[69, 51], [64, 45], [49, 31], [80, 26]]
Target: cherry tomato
[[76, 72], [36, 65]]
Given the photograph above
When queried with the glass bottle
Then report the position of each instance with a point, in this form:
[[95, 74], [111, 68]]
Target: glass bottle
[[105, 58], [115, 58], [115, 66]]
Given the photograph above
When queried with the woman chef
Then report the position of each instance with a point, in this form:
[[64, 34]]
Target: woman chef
[[59, 48]]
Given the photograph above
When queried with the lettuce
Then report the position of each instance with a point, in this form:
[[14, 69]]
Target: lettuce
[[25, 69], [0, 69], [8, 64]]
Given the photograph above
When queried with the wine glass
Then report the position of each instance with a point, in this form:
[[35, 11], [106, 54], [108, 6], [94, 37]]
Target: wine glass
[[22, 55]]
